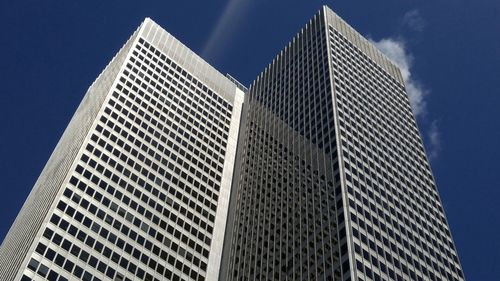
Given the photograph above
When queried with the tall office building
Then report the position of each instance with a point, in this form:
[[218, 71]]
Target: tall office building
[[138, 186], [169, 171], [335, 183]]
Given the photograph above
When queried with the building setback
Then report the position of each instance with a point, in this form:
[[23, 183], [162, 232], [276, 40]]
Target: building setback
[[170, 170]]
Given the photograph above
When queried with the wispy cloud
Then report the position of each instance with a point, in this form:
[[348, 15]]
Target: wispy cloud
[[226, 25], [413, 20], [434, 140], [395, 50]]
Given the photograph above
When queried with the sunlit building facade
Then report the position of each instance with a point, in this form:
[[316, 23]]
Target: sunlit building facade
[[138, 186]]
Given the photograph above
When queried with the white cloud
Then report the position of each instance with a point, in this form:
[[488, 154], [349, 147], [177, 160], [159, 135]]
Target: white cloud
[[234, 11], [414, 20], [395, 50], [434, 140]]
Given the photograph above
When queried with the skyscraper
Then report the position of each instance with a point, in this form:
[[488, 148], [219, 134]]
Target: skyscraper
[[335, 183], [170, 170], [138, 186]]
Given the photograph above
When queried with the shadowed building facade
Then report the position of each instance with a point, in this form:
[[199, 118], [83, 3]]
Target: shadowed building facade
[[335, 183], [170, 170]]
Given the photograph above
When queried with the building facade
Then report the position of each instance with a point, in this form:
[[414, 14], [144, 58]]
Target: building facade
[[138, 186], [170, 170], [335, 183]]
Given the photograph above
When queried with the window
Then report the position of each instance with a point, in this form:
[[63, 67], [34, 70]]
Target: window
[[33, 264]]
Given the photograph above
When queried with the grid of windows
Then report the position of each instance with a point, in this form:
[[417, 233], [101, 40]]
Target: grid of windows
[[348, 105], [285, 210], [332, 181], [285, 225], [141, 202], [398, 224], [21, 239]]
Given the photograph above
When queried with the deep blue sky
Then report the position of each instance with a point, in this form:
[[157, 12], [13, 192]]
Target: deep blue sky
[[53, 50]]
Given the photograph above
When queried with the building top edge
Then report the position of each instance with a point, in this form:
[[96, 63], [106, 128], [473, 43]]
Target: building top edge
[[188, 59], [330, 18], [362, 43], [237, 83]]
